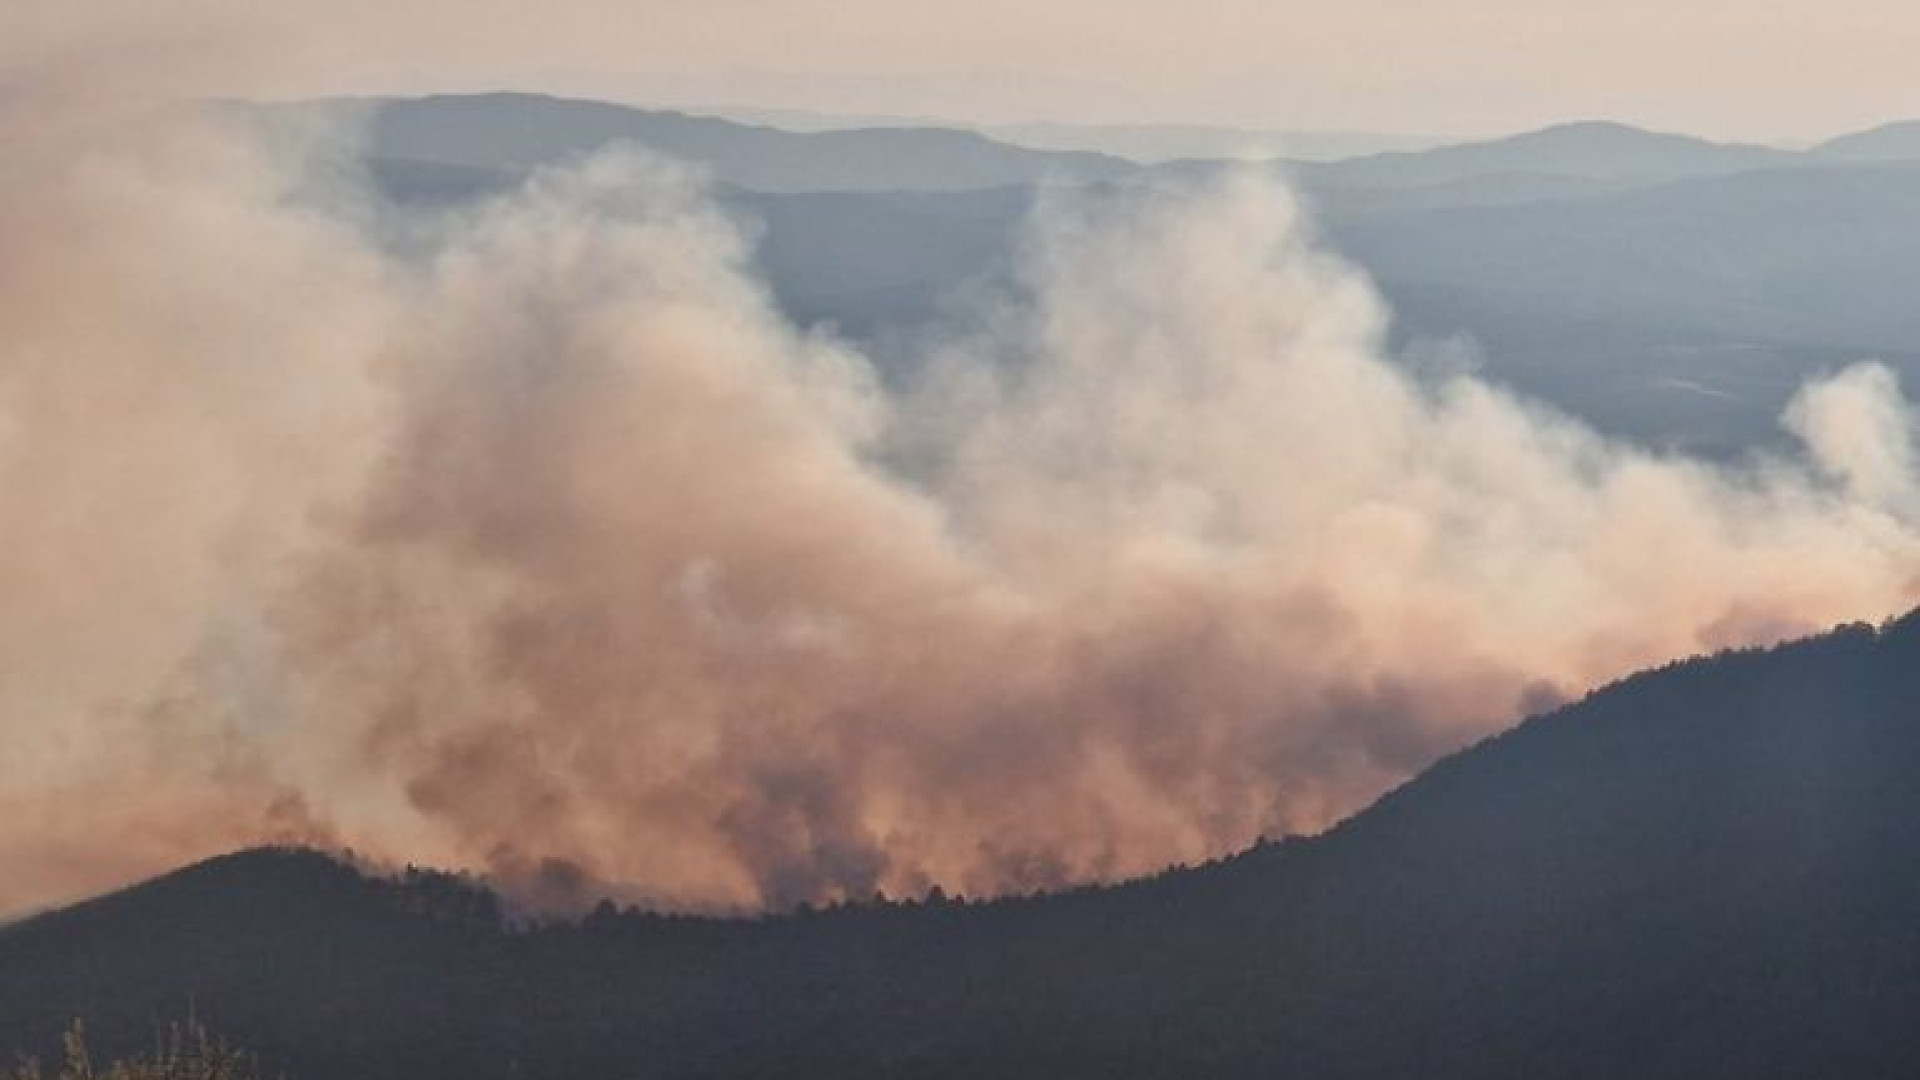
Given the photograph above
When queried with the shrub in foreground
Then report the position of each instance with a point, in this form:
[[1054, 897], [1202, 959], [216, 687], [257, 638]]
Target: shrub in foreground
[[185, 1052]]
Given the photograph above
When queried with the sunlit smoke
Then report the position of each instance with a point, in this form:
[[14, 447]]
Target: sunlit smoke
[[554, 550]]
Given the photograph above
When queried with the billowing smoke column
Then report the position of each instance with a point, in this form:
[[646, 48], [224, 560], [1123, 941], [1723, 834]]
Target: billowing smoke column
[[554, 551]]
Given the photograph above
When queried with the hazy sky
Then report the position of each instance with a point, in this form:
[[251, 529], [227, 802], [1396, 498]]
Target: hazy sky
[[1757, 69]]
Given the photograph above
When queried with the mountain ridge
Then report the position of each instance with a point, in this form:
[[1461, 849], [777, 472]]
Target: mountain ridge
[[518, 132], [1592, 148], [1896, 141], [512, 132], [1697, 868]]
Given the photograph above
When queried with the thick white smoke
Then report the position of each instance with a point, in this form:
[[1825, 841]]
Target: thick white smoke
[[556, 551]]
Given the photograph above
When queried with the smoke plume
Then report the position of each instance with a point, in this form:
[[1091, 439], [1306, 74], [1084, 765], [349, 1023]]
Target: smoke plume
[[546, 546]]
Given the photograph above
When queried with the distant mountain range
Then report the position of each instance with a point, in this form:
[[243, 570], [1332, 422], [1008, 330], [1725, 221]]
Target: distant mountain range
[[516, 132], [1664, 288], [1705, 870]]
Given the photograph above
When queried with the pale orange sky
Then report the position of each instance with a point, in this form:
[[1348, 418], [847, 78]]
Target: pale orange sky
[[1752, 69], [1771, 70]]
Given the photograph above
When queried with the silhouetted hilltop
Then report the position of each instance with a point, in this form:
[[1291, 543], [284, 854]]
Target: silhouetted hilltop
[[1594, 149], [1889, 142], [1702, 870]]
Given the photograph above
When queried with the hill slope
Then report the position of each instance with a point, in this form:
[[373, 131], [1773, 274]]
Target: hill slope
[[1705, 870]]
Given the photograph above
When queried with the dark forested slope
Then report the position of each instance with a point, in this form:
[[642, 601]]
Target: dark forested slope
[[1709, 870]]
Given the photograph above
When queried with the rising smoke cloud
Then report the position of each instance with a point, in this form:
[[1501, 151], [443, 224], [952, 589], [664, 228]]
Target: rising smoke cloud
[[554, 550]]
